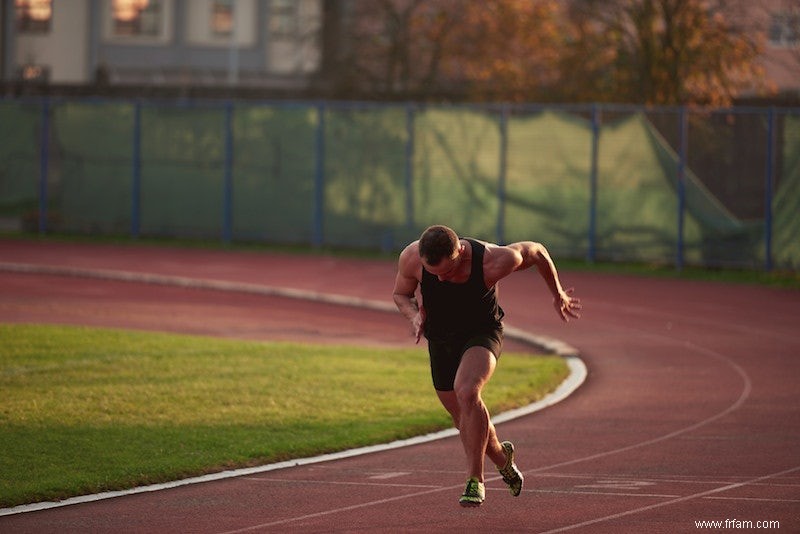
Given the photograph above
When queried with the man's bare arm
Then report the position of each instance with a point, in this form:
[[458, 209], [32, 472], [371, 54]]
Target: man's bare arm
[[405, 287], [526, 254]]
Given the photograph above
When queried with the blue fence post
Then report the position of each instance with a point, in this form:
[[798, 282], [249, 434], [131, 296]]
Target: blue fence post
[[409, 170], [769, 180], [227, 208], [136, 170], [319, 178], [501, 179], [681, 171], [44, 164], [593, 172]]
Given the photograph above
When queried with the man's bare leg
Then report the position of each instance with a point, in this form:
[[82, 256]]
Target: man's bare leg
[[493, 448], [475, 427]]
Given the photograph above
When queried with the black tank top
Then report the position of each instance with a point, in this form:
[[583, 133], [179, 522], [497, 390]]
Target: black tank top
[[460, 309]]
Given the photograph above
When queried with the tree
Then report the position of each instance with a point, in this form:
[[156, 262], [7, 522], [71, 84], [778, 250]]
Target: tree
[[637, 51], [659, 52], [392, 46], [330, 38], [508, 49], [500, 49]]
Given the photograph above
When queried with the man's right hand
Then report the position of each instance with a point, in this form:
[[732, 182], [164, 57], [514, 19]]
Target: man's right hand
[[418, 324]]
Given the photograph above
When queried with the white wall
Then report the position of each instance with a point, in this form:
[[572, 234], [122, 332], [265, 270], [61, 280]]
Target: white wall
[[298, 54], [64, 48]]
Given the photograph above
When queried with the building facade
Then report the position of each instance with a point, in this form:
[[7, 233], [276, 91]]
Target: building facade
[[161, 42], [273, 44], [779, 22]]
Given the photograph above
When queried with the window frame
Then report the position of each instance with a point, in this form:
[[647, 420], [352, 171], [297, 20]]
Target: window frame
[[217, 10], [784, 29], [283, 19], [164, 34], [24, 23]]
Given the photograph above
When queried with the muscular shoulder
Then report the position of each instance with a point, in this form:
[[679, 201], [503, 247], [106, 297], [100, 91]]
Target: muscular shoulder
[[410, 263], [500, 261]]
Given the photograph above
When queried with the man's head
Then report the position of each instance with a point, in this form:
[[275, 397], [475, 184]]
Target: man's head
[[437, 243]]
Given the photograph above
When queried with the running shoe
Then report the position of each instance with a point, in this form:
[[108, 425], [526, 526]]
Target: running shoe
[[511, 475], [474, 494]]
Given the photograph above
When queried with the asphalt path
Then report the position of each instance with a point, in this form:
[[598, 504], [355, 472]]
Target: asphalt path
[[690, 412]]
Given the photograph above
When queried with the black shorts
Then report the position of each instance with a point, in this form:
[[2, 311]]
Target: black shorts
[[446, 355]]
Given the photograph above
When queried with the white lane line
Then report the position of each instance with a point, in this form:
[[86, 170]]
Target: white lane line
[[196, 283], [339, 482], [547, 343], [605, 493], [386, 476], [668, 479], [334, 511], [577, 375], [701, 494], [675, 500], [758, 499], [334, 299], [740, 400], [747, 387]]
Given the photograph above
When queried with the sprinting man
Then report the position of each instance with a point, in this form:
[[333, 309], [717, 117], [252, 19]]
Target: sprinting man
[[461, 318]]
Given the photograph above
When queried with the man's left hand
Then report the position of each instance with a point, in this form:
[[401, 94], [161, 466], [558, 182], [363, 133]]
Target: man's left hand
[[567, 306]]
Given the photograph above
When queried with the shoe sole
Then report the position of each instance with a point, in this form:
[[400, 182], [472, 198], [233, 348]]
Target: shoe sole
[[508, 446]]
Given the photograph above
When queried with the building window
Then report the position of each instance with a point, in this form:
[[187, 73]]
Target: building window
[[33, 16], [283, 18], [784, 29], [34, 73], [222, 17], [134, 18]]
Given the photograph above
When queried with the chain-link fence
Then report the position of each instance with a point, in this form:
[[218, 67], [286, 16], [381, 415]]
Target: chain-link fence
[[714, 188]]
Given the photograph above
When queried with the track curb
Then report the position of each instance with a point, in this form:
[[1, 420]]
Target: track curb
[[576, 377]]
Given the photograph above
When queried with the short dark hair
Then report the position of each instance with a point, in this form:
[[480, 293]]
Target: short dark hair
[[437, 242]]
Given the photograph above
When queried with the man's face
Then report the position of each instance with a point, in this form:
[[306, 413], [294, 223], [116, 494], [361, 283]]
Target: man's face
[[447, 269]]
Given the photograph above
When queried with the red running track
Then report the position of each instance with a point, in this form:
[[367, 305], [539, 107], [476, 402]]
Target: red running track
[[691, 411]]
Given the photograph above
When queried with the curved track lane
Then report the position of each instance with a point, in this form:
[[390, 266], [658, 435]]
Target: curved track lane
[[691, 411]]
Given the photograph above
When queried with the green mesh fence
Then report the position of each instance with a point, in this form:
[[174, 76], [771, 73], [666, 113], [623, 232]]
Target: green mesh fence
[[632, 181], [20, 138], [456, 155], [547, 180], [364, 191], [374, 176], [90, 167], [182, 158], [273, 173], [786, 201]]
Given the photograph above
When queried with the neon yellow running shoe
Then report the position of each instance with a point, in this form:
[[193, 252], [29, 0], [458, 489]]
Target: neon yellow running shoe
[[474, 494], [511, 475]]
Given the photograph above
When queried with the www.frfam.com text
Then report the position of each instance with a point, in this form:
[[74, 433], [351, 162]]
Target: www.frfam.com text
[[737, 524]]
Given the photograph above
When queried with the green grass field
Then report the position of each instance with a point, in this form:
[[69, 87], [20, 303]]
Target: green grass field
[[85, 410]]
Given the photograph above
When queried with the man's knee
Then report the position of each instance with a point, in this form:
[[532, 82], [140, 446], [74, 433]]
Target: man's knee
[[449, 400], [468, 395]]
